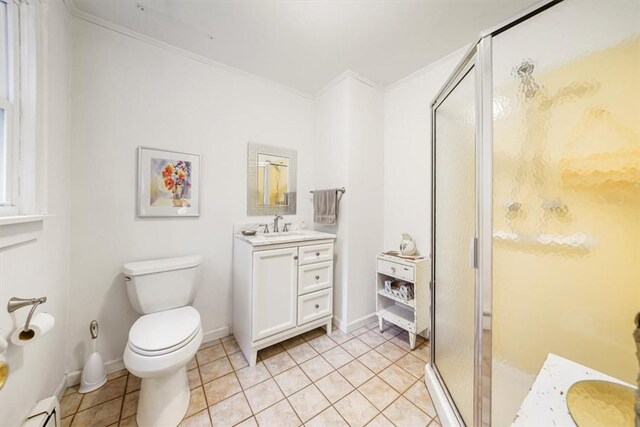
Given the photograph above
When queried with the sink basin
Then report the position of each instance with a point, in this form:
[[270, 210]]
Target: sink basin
[[282, 233]]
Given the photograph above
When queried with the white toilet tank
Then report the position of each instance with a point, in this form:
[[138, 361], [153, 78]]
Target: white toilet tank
[[162, 284]]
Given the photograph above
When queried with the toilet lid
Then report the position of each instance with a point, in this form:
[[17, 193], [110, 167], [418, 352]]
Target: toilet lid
[[164, 331]]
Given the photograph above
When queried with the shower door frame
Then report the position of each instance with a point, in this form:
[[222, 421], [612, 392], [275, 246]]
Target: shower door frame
[[477, 59]]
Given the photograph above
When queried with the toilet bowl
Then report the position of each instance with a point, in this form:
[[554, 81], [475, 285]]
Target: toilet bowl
[[159, 348], [165, 338]]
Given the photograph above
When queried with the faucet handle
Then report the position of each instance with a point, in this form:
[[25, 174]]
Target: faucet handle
[[266, 228], [286, 226]]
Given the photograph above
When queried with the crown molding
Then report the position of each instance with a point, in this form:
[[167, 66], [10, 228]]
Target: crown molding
[[77, 13], [428, 68]]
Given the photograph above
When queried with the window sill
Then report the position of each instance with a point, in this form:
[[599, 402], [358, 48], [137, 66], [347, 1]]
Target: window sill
[[20, 219], [19, 229]]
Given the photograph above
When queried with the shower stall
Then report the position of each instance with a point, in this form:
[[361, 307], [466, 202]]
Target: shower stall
[[536, 207]]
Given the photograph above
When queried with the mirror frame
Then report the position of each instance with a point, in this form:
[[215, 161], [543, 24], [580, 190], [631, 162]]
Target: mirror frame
[[253, 209]]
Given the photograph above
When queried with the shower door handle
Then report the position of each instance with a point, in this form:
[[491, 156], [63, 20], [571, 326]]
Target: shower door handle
[[473, 253]]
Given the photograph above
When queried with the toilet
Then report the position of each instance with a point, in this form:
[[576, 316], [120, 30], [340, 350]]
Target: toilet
[[165, 338]]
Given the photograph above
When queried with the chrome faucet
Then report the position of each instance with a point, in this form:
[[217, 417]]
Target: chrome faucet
[[276, 228]]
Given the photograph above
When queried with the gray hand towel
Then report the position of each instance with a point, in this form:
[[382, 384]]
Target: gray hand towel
[[325, 206]]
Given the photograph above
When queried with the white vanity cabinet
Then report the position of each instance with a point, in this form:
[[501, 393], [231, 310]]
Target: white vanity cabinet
[[282, 287]]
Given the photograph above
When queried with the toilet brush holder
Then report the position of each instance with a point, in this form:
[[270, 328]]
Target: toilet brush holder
[[94, 374]]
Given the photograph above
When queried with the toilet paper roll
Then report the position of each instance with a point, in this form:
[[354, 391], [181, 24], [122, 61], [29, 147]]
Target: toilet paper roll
[[40, 324]]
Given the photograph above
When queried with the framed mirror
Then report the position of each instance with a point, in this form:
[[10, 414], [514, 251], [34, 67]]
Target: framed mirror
[[271, 180]]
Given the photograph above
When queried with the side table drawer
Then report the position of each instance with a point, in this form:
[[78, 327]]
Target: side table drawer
[[397, 270]]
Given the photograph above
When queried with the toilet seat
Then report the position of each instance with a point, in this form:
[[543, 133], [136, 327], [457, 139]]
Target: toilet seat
[[164, 332]]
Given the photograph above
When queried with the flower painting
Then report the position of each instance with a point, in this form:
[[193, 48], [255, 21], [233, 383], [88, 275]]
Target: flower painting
[[168, 183]]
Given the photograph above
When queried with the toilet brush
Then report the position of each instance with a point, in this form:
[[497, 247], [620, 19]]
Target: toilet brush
[[94, 374]]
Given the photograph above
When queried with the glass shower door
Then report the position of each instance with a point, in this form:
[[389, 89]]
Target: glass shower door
[[454, 229]]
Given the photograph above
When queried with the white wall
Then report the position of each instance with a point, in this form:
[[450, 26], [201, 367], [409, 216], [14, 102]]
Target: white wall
[[41, 267], [407, 153], [128, 93], [349, 153]]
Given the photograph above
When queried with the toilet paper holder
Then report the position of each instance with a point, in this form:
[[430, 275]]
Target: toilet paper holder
[[18, 303]]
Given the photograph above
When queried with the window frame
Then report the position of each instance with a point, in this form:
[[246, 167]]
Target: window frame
[[10, 103]]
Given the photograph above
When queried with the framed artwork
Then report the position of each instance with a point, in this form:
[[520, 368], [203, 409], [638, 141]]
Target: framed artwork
[[168, 183]]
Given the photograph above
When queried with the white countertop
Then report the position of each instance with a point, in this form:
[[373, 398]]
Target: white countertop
[[546, 403], [262, 239]]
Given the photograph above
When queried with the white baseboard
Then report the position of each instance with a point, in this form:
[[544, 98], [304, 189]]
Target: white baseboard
[[73, 378], [356, 324], [61, 387], [445, 412]]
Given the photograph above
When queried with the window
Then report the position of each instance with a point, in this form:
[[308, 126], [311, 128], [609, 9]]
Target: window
[[9, 108]]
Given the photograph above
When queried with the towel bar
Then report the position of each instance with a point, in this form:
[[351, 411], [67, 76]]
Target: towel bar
[[342, 190]]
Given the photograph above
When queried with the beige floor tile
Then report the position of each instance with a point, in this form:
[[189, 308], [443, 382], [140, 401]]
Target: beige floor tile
[[356, 373], [220, 389], [322, 343], [355, 347], [227, 338], [340, 337], [378, 392], [272, 350], [251, 376], [66, 422], [133, 383], [210, 354], [372, 324], [390, 351], [71, 390], [111, 390], [230, 411], [334, 387], [302, 353], [337, 357], [100, 415], [359, 331], [308, 402], [389, 333], [423, 352], [327, 418], [194, 378], [403, 413], [192, 364], [263, 395], [402, 341], [201, 419], [231, 346], [238, 361], [69, 404], [380, 421], [279, 363], [435, 423], [197, 402], [397, 378], [215, 369], [374, 361], [372, 339], [419, 396], [130, 405], [279, 415], [292, 380], [129, 422], [249, 422], [412, 364], [356, 409], [117, 374], [316, 368], [314, 333], [209, 343], [293, 342]]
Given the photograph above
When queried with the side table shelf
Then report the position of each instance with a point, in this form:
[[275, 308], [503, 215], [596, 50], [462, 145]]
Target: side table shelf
[[412, 315]]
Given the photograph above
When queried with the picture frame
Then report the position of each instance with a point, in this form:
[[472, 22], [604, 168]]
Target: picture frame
[[168, 183]]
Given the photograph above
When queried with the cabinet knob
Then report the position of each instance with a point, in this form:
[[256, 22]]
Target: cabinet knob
[[295, 257], [317, 253], [317, 277], [317, 305]]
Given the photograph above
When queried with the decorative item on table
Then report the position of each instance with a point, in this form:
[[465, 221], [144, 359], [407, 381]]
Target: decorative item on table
[[407, 245], [168, 183], [399, 289]]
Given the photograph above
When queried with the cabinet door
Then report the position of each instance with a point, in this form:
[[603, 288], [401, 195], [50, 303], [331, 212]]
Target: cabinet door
[[275, 291]]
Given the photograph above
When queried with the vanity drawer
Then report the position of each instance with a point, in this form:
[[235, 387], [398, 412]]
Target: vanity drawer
[[315, 306], [394, 269], [314, 277], [315, 253]]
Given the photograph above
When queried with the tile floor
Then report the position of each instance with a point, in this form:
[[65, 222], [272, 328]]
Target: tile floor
[[357, 379]]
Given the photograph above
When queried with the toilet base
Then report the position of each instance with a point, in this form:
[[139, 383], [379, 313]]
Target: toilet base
[[164, 400]]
